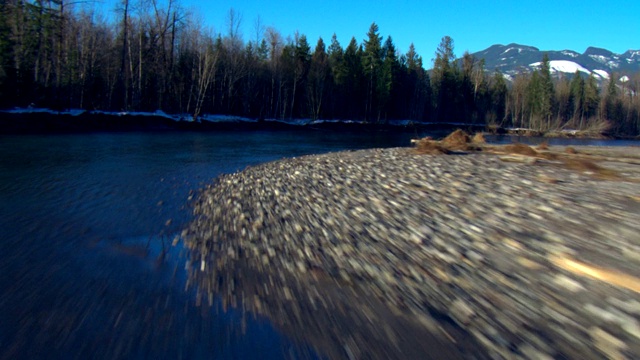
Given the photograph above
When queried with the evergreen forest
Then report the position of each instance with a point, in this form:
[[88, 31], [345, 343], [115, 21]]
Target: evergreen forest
[[155, 55]]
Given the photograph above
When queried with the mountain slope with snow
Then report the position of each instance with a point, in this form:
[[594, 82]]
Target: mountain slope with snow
[[514, 58]]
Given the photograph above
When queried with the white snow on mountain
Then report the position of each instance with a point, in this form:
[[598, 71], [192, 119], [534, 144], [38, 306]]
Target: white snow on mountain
[[599, 58], [565, 66], [570, 53], [603, 74], [624, 79], [512, 48]]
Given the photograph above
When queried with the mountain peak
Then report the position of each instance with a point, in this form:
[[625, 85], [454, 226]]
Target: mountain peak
[[523, 47], [592, 50], [632, 54]]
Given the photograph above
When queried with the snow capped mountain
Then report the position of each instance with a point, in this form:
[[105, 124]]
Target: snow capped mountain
[[562, 66], [514, 58]]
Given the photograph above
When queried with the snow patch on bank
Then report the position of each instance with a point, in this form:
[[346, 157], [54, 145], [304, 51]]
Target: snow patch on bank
[[32, 110], [219, 118]]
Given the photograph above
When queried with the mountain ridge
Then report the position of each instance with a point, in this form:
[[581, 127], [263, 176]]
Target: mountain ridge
[[513, 58]]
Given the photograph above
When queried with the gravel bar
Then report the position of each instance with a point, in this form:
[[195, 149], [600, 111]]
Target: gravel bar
[[379, 254]]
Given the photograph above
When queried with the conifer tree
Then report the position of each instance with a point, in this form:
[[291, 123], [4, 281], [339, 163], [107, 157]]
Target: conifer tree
[[418, 86], [577, 99], [319, 76], [444, 82], [388, 78], [338, 76], [546, 92], [499, 92], [354, 79], [372, 66], [301, 70], [336, 54]]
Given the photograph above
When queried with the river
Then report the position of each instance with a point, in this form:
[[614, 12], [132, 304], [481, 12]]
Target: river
[[86, 227], [83, 221]]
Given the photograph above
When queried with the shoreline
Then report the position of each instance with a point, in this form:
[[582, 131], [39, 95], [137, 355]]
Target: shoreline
[[45, 121], [346, 251]]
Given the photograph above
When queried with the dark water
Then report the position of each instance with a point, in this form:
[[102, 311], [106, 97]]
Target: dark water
[[84, 221], [535, 140]]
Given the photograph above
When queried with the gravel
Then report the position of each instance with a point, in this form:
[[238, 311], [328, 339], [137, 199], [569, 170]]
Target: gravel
[[387, 254]]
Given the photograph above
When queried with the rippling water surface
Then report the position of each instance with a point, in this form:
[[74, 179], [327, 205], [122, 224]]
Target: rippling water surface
[[84, 220]]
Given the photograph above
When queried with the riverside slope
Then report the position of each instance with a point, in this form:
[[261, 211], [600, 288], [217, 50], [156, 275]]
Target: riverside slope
[[389, 254]]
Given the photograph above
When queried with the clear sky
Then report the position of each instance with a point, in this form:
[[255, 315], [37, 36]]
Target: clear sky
[[473, 24]]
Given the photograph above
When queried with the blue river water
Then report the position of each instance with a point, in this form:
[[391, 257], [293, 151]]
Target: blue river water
[[83, 223], [86, 225]]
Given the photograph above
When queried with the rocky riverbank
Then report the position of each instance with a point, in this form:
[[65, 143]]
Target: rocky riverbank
[[393, 254]]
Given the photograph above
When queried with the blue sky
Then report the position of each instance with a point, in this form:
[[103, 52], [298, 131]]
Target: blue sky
[[473, 25]]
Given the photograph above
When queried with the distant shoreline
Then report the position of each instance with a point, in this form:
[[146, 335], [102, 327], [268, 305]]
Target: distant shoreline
[[39, 121], [46, 121]]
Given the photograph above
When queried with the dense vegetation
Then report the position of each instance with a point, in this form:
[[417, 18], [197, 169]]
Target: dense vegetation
[[156, 55]]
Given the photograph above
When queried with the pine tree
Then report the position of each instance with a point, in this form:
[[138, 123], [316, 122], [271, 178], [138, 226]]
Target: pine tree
[[372, 66], [336, 55], [301, 70], [546, 92], [388, 79], [612, 106], [338, 77], [577, 99], [417, 85], [563, 101], [541, 97], [467, 88], [319, 76], [354, 78], [444, 82], [591, 100], [499, 92]]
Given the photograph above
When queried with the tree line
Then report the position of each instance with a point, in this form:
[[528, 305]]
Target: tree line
[[156, 55]]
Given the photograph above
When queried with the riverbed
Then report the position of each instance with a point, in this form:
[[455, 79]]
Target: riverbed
[[86, 256]]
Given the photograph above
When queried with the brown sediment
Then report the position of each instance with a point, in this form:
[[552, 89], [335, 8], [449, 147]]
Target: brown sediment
[[457, 141], [569, 158], [543, 146], [590, 167], [430, 147], [520, 149], [478, 139]]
